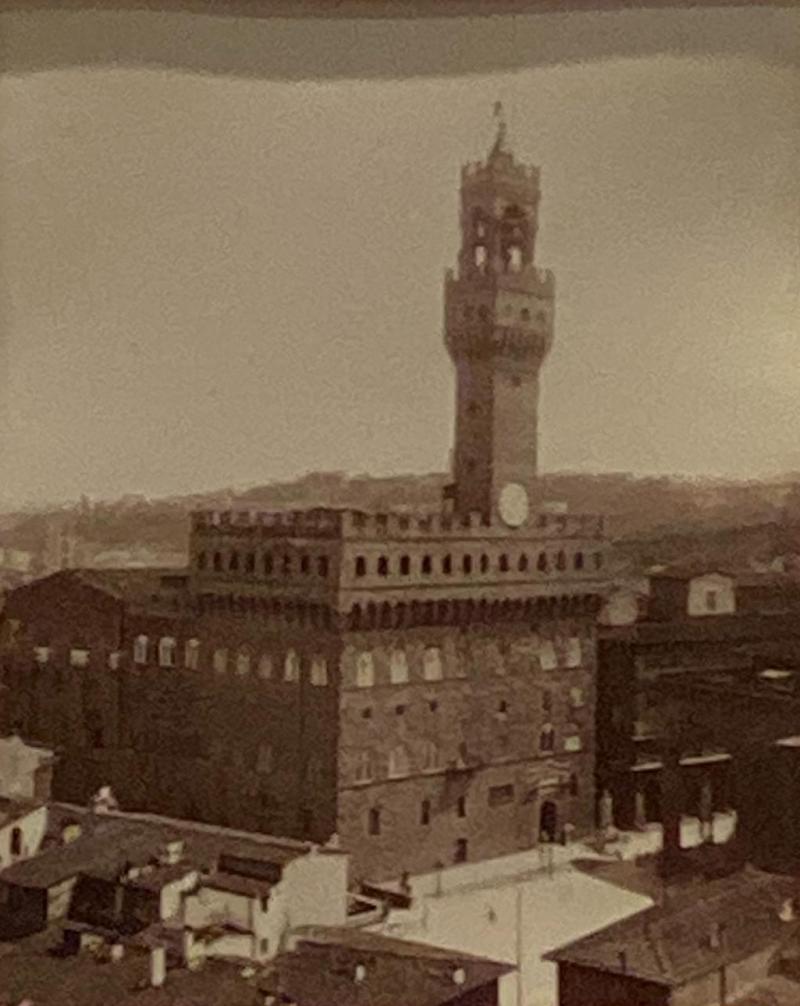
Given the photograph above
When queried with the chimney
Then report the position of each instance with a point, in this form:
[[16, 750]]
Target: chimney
[[158, 967], [172, 852], [361, 973], [459, 976], [623, 961], [787, 912]]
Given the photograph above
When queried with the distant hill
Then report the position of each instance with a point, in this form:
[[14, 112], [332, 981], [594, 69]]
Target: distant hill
[[653, 519]]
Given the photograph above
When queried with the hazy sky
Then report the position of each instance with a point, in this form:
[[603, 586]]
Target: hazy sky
[[213, 279]]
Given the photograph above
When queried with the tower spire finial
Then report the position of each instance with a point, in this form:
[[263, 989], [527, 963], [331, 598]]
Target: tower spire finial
[[500, 137]]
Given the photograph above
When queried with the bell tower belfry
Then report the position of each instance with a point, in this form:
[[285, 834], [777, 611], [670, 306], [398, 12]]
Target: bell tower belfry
[[499, 310]]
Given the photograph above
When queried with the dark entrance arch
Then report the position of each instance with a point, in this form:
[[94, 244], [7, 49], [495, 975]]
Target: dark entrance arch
[[548, 821]]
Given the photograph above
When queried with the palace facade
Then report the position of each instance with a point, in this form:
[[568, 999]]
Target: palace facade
[[421, 686]]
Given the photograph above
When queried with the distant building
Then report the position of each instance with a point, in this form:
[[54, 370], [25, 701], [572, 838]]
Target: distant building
[[734, 940], [696, 624], [421, 685]]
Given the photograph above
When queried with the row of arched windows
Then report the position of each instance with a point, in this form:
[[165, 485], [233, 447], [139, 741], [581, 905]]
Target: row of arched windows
[[265, 564], [466, 612], [400, 762], [522, 563], [242, 661]]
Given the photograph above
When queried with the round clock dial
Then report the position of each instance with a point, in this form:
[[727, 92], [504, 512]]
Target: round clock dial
[[513, 504]]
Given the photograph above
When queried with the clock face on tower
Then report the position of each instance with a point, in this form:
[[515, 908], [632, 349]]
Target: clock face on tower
[[513, 504]]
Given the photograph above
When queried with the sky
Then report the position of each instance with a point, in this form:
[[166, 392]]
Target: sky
[[213, 278]]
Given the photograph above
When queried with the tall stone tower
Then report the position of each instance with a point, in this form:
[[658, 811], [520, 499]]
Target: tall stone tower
[[498, 330]]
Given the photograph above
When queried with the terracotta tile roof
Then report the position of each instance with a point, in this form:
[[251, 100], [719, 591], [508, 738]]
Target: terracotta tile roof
[[672, 944], [355, 968]]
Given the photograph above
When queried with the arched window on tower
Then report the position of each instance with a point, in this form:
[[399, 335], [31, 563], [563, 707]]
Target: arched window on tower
[[478, 224], [542, 563], [513, 239]]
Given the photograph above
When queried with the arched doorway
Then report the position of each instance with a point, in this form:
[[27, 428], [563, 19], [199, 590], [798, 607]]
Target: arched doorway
[[548, 822]]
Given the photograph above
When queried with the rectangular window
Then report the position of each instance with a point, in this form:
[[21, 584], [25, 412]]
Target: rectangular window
[[498, 795], [41, 654], [79, 658], [711, 600], [573, 742], [461, 807], [220, 661]]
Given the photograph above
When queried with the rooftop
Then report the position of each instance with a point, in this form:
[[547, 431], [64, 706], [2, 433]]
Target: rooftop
[[29, 969], [110, 841], [693, 933], [359, 525], [346, 966]]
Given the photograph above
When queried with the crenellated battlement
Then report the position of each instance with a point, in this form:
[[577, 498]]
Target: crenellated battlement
[[316, 523], [359, 525], [499, 167]]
